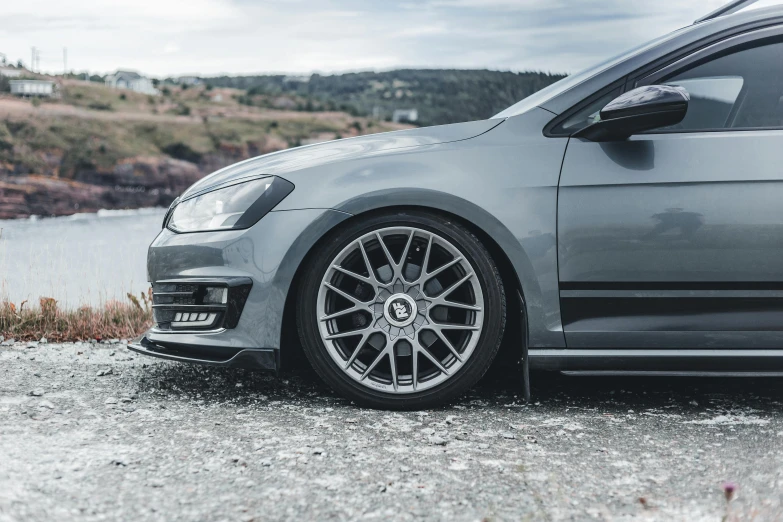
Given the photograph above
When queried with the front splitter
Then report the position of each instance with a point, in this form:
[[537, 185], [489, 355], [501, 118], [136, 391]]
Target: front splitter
[[250, 358]]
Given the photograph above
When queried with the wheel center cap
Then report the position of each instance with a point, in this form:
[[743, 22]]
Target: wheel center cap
[[400, 310]]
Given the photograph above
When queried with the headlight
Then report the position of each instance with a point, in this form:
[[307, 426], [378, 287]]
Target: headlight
[[168, 211], [231, 207]]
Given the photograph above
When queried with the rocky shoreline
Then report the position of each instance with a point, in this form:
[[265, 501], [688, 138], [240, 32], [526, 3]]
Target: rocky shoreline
[[139, 182]]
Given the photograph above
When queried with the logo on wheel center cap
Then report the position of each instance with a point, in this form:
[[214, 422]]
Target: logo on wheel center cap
[[400, 310]]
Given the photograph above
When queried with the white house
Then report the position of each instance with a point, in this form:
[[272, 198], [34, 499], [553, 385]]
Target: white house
[[188, 80], [32, 87], [132, 81], [405, 115]]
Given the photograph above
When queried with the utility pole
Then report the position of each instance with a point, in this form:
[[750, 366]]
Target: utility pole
[[35, 60]]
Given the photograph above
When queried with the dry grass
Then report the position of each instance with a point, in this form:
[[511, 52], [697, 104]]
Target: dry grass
[[113, 320]]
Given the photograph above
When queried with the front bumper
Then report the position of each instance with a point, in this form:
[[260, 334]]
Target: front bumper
[[268, 254], [251, 358]]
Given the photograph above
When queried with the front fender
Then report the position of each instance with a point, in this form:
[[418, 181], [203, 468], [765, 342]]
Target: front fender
[[503, 182], [518, 252]]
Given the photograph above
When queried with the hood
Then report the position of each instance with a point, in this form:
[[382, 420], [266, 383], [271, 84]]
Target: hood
[[284, 161]]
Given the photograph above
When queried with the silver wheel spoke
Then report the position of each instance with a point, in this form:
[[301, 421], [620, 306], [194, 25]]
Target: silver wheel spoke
[[415, 368], [394, 309], [341, 313], [433, 360], [449, 326], [386, 252], [367, 262], [353, 274], [443, 338], [441, 301], [372, 365], [343, 335], [356, 350], [405, 254], [393, 365], [456, 285], [345, 294], [426, 259], [444, 267]]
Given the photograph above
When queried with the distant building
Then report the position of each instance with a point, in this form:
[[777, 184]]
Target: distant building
[[405, 115], [188, 80], [11, 72], [32, 87], [132, 81]]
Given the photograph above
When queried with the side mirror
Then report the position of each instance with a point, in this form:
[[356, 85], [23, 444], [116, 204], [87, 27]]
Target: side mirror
[[642, 109]]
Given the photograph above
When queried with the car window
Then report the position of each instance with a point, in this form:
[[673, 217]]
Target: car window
[[741, 89], [712, 100]]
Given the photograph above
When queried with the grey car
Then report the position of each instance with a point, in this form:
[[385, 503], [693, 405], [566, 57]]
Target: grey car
[[628, 218]]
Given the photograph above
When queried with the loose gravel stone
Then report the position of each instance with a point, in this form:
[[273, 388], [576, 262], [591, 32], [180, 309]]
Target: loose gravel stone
[[438, 441], [167, 441]]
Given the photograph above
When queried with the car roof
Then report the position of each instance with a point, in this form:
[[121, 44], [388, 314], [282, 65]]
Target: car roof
[[731, 7], [570, 91]]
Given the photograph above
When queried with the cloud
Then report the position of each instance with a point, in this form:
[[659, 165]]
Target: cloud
[[169, 37]]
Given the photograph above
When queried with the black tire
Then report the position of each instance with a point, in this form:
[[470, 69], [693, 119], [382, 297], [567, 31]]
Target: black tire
[[473, 368]]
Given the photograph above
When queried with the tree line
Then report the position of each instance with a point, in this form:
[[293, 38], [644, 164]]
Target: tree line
[[440, 95]]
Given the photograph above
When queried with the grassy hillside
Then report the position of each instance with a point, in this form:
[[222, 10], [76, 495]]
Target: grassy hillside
[[119, 149], [93, 128], [441, 96]]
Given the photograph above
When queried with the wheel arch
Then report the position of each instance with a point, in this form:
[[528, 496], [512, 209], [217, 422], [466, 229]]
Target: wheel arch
[[497, 239]]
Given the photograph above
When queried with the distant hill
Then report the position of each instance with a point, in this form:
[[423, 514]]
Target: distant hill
[[440, 95]]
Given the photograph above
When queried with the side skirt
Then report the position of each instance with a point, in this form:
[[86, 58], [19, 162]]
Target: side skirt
[[647, 360], [671, 374]]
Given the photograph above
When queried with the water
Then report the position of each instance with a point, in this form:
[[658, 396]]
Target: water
[[80, 259]]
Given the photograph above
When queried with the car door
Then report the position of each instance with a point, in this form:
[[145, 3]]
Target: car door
[[674, 238]]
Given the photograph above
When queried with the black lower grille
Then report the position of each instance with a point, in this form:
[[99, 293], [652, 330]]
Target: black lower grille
[[199, 304]]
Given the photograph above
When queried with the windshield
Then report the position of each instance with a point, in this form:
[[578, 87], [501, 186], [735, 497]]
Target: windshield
[[569, 82]]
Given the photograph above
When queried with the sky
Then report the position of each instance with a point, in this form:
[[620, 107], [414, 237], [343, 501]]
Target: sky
[[210, 37]]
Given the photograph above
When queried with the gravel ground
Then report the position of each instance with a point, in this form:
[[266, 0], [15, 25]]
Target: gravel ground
[[95, 432]]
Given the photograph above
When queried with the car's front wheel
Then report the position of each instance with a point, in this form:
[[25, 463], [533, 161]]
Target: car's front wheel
[[404, 310]]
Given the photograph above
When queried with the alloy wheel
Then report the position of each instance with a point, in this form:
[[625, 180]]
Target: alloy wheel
[[400, 309]]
